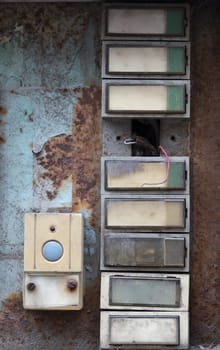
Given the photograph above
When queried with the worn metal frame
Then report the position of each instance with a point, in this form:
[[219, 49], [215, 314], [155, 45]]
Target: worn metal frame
[[182, 293], [141, 197], [183, 328], [125, 235], [106, 83], [106, 45], [144, 190], [107, 36]]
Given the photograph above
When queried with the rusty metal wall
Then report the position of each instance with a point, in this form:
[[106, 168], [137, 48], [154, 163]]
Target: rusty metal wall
[[205, 151], [50, 153], [50, 147]]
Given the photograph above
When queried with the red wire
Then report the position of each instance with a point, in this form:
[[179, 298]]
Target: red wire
[[168, 164], [168, 169]]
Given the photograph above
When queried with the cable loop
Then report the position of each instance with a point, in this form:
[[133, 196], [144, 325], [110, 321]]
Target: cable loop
[[168, 170]]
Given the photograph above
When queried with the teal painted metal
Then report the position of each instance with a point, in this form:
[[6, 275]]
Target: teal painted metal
[[175, 21], [176, 99], [176, 60]]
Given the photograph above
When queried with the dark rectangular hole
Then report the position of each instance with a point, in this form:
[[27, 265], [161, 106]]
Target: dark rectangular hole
[[147, 136]]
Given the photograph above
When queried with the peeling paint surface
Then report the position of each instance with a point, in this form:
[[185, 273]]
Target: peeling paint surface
[[50, 157], [50, 147]]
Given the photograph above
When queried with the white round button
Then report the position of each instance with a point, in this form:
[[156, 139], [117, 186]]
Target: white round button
[[52, 250]]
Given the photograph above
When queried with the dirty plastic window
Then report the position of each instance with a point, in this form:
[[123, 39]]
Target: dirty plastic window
[[142, 21], [146, 98], [143, 175], [144, 330], [146, 60], [145, 292], [145, 213]]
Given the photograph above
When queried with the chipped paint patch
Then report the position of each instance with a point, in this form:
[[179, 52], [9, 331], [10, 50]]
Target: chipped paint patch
[[3, 110], [44, 58], [54, 163], [79, 204], [12, 298], [2, 140]]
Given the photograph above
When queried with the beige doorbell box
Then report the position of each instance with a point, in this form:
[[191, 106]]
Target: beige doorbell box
[[53, 261]]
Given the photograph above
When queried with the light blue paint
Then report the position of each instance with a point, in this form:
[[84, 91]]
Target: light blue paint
[[88, 56], [52, 250], [43, 76], [89, 232], [11, 64], [63, 198], [16, 171], [53, 113], [19, 64], [11, 275], [83, 69]]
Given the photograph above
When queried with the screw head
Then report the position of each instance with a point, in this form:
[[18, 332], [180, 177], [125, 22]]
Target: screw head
[[71, 285], [52, 228], [31, 286]]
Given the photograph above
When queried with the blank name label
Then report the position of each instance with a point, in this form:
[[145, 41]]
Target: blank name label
[[136, 251], [144, 330], [139, 175], [144, 21], [146, 60], [145, 213], [144, 291], [50, 292], [146, 98]]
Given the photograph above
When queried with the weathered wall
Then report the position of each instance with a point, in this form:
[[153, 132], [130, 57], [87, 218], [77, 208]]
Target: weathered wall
[[50, 155], [50, 146], [205, 150]]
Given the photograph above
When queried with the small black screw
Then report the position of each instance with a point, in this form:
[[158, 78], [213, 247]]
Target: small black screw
[[52, 228], [31, 286], [71, 284]]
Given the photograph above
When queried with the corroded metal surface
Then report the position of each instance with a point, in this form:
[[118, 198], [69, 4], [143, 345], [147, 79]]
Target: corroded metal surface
[[51, 130], [50, 154], [56, 161], [86, 170], [205, 150]]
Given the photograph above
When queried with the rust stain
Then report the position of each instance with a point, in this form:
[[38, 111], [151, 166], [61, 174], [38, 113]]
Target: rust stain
[[12, 302], [79, 204], [56, 159], [2, 140], [18, 325], [47, 22], [3, 110], [205, 147], [87, 150]]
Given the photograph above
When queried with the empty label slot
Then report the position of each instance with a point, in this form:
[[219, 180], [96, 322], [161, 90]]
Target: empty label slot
[[51, 292], [137, 175], [144, 21], [144, 291], [126, 251], [145, 213], [161, 330], [144, 330], [146, 98], [153, 60]]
